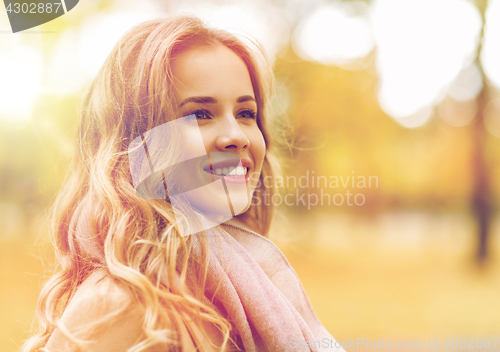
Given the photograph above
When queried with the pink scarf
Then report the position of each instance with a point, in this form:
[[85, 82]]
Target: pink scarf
[[262, 294]]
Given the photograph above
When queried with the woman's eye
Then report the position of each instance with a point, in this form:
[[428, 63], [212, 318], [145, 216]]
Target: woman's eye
[[202, 114], [247, 114]]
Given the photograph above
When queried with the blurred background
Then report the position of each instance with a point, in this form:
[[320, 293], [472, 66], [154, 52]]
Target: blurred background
[[403, 94]]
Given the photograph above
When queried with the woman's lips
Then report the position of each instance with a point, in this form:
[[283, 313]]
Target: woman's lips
[[228, 166], [237, 175]]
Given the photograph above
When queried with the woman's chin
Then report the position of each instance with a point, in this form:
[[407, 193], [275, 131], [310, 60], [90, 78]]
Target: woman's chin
[[223, 207]]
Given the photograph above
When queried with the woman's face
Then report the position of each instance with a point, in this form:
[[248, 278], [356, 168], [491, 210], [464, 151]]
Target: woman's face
[[214, 84]]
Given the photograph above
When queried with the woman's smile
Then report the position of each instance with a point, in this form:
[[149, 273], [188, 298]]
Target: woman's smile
[[227, 166]]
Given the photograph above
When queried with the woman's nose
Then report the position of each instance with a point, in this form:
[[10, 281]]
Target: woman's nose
[[230, 136]]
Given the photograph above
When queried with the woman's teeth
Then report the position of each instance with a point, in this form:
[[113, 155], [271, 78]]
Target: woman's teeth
[[232, 171]]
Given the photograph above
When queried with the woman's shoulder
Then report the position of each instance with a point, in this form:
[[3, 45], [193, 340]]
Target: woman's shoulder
[[100, 299], [102, 311], [99, 294]]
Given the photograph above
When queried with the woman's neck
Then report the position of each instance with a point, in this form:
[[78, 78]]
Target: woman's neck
[[243, 221]]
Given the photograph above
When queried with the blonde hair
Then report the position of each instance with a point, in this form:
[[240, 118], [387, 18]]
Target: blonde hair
[[98, 220]]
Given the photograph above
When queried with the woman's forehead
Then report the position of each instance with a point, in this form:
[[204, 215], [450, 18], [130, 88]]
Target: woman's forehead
[[210, 71]]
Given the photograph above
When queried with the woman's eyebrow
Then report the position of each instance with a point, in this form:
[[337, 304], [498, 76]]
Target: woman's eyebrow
[[202, 100], [244, 98], [210, 100]]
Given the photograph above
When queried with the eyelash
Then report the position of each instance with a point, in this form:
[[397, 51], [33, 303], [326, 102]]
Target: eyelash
[[206, 113], [250, 112], [196, 112]]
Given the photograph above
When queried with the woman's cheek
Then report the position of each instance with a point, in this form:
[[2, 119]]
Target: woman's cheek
[[196, 143]]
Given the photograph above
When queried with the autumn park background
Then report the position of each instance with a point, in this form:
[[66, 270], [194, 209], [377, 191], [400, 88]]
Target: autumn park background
[[405, 91]]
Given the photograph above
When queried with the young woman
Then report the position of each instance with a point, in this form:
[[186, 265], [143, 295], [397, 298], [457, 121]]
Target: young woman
[[160, 225]]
